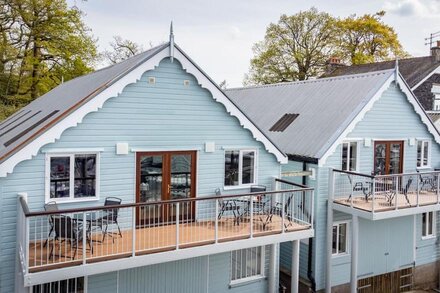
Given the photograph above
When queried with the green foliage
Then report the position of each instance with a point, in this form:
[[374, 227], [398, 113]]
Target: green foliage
[[367, 39], [295, 48], [42, 42], [299, 46]]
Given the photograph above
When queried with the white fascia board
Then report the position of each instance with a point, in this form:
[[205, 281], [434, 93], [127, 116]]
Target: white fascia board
[[74, 118], [162, 257], [356, 120], [435, 71], [231, 108]]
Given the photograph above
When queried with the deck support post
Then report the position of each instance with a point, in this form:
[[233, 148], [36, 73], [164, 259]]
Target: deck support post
[[354, 253], [273, 281], [295, 267], [329, 236]]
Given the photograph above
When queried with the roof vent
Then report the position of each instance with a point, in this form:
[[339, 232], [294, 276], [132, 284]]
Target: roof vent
[[284, 122], [151, 80]]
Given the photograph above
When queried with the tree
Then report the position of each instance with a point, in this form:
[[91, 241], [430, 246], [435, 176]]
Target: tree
[[299, 46], [121, 49], [367, 39], [43, 42], [295, 48]]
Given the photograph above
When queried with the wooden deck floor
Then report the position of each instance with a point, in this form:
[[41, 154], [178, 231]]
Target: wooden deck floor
[[148, 240], [381, 203]]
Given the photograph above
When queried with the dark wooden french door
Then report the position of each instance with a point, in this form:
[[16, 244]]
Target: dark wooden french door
[[388, 157], [165, 176]]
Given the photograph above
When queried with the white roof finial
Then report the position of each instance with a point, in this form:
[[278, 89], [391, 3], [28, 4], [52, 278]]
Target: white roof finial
[[396, 69], [171, 42]]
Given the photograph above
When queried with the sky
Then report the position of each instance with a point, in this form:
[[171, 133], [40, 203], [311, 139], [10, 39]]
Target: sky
[[219, 35]]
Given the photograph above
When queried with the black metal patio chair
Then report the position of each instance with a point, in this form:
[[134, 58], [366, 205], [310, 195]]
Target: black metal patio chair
[[109, 217], [277, 210], [68, 230], [391, 193], [51, 206], [228, 205]]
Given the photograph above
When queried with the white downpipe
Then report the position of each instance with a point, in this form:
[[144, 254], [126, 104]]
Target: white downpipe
[[354, 253], [328, 275], [295, 267]]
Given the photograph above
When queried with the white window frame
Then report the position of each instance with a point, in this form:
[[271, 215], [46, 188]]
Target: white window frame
[[356, 168], [434, 226], [422, 153], [347, 238], [250, 278], [71, 197], [240, 168]]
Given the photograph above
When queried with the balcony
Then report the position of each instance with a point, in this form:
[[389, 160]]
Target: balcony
[[77, 242], [384, 196]]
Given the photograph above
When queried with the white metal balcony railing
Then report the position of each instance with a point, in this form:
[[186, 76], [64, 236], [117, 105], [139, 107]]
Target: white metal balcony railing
[[50, 240], [382, 193]]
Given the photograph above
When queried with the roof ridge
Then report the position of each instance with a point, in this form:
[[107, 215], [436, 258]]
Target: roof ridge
[[331, 78]]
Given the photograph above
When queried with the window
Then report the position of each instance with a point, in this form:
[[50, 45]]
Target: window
[[72, 177], [247, 263], [422, 153], [240, 167], [75, 285], [349, 156], [428, 225], [340, 238]]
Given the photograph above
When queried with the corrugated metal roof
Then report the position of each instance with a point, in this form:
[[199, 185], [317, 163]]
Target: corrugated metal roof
[[325, 106], [41, 113]]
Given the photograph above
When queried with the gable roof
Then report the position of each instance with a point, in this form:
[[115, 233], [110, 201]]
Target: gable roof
[[413, 70], [43, 120], [327, 108]]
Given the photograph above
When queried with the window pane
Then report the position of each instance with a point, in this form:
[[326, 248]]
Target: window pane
[[231, 167], [85, 175], [353, 156], [424, 224], [59, 177], [425, 154], [344, 156], [342, 238], [419, 153], [430, 223], [335, 239], [246, 263], [248, 167]]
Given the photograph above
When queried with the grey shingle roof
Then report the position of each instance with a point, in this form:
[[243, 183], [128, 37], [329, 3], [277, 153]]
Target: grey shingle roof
[[325, 106], [62, 100], [413, 70]]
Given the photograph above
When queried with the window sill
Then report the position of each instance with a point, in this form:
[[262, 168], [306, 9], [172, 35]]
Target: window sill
[[423, 168], [246, 281], [61, 201], [232, 187], [429, 237]]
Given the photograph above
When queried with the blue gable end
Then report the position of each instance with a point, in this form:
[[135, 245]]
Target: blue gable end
[[392, 117], [174, 113]]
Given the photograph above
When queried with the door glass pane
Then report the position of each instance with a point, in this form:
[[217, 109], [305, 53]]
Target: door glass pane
[[344, 156], [395, 158], [335, 239], [180, 176], [150, 187], [59, 177], [380, 158], [425, 153], [248, 167], [353, 156], [342, 238]]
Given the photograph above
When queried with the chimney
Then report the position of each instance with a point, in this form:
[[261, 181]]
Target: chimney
[[435, 52], [332, 64]]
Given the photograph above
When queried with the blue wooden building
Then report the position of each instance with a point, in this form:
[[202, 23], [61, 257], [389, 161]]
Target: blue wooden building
[[368, 147], [143, 177]]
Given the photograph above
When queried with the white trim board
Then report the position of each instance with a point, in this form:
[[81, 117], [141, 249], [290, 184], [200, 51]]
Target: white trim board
[[435, 71], [410, 97], [74, 118]]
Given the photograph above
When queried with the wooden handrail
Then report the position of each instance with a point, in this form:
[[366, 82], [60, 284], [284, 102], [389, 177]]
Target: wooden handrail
[[353, 173], [28, 213], [291, 183]]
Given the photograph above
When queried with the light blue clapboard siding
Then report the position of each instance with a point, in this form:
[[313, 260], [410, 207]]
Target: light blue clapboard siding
[[202, 274], [392, 117], [164, 115], [427, 250]]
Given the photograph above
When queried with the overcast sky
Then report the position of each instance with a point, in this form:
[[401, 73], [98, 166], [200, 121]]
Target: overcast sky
[[219, 35]]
